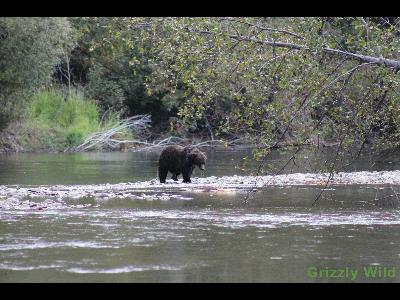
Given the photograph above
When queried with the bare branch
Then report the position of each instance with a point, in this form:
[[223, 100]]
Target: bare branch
[[389, 63], [365, 26], [264, 28], [137, 123], [350, 72]]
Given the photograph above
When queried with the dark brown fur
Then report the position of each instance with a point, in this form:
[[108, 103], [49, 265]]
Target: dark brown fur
[[178, 159]]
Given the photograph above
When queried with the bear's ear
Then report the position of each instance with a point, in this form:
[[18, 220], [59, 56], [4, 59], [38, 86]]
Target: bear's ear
[[187, 150]]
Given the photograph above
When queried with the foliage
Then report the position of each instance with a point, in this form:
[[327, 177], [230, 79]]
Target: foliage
[[274, 80], [287, 79], [30, 48], [113, 70], [74, 117]]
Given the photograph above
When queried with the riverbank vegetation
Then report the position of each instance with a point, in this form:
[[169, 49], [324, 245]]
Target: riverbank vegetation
[[271, 81], [53, 122]]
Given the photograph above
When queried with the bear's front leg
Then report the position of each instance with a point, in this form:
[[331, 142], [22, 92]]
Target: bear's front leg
[[186, 174], [186, 180]]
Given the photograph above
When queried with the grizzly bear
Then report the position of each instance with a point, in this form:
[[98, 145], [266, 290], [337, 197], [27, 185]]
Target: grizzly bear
[[178, 159]]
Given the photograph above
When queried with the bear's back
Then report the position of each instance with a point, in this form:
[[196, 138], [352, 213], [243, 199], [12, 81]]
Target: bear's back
[[172, 154]]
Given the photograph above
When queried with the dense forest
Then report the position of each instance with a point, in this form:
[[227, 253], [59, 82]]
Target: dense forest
[[266, 81]]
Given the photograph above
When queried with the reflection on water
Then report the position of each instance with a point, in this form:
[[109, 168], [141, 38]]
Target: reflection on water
[[198, 237]]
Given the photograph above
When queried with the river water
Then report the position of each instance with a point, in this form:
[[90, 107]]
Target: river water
[[176, 234]]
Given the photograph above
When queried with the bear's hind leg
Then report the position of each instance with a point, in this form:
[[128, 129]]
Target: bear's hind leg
[[162, 174], [175, 176]]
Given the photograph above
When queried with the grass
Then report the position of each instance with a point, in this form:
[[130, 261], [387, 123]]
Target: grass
[[53, 122]]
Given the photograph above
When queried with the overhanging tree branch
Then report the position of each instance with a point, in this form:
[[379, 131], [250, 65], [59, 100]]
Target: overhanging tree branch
[[264, 28], [389, 63]]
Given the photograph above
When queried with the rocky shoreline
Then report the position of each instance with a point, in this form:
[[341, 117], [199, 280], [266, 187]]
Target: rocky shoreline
[[54, 196]]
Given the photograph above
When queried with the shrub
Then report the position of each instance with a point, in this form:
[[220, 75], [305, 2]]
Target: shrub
[[75, 116]]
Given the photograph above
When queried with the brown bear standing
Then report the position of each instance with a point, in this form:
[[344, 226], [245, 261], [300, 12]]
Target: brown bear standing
[[177, 159]]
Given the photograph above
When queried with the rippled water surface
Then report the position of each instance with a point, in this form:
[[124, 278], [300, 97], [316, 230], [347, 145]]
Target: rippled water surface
[[178, 235]]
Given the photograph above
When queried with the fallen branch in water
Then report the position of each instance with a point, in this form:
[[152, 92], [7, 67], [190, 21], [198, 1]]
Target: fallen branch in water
[[176, 140], [136, 123], [106, 138]]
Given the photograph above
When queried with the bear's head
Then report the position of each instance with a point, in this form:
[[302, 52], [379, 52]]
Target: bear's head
[[198, 158]]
